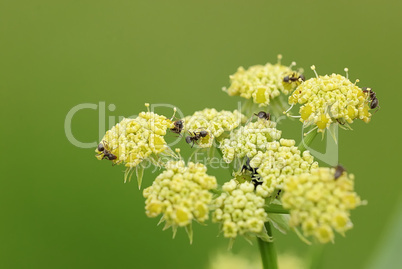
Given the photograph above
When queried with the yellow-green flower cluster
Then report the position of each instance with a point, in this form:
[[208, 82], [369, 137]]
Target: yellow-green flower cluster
[[134, 140], [249, 139], [280, 160], [261, 82], [319, 203], [181, 194], [240, 210], [327, 99], [228, 260], [214, 122]]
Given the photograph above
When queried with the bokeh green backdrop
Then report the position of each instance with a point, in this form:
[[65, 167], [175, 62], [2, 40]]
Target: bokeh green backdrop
[[61, 208]]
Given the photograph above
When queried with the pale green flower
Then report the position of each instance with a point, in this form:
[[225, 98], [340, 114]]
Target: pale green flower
[[216, 123], [320, 203], [330, 99], [280, 160], [181, 194], [134, 140], [228, 260], [248, 140], [240, 211], [262, 83]]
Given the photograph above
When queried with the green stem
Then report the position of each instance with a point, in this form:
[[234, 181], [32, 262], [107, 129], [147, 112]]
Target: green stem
[[216, 191], [315, 256], [306, 141], [220, 152], [231, 168], [276, 209], [267, 251]]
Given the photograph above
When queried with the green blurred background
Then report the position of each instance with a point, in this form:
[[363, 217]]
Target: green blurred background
[[61, 208]]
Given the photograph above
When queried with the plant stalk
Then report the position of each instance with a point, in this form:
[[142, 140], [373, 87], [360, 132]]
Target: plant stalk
[[276, 209], [307, 140], [316, 253], [268, 251]]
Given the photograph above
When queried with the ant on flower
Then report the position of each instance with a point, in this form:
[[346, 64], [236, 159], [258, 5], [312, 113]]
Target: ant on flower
[[102, 148], [195, 136], [339, 169], [294, 78], [373, 98], [178, 127], [263, 115]]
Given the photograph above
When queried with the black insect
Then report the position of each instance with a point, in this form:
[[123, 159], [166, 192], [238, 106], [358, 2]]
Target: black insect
[[339, 169], [178, 127], [341, 122], [102, 148], [255, 177], [374, 103], [247, 167], [256, 182], [278, 194], [109, 156], [195, 136], [294, 78], [373, 98], [263, 115]]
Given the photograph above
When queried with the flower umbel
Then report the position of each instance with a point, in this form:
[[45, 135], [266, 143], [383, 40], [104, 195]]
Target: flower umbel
[[320, 203], [216, 123], [240, 211], [262, 82], [327, 99], [249, 139], [274, 184], [181, 194], [280, 160], [134, 140], [228, 260]]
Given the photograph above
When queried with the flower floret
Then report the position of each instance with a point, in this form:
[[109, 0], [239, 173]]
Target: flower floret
[[134, 140], [320, 203], [331, 99], [216, 123], [240, 210], [181, 194], [262, 83], [280, 160], [248, 140]]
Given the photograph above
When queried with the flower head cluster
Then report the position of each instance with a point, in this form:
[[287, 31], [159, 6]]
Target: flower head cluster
[[214, 122], [228, 260], [181, 194], [327, 99], [134, 140], [240, 210], [320, 203], [247, 140], [261, 82], [280, 160]]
